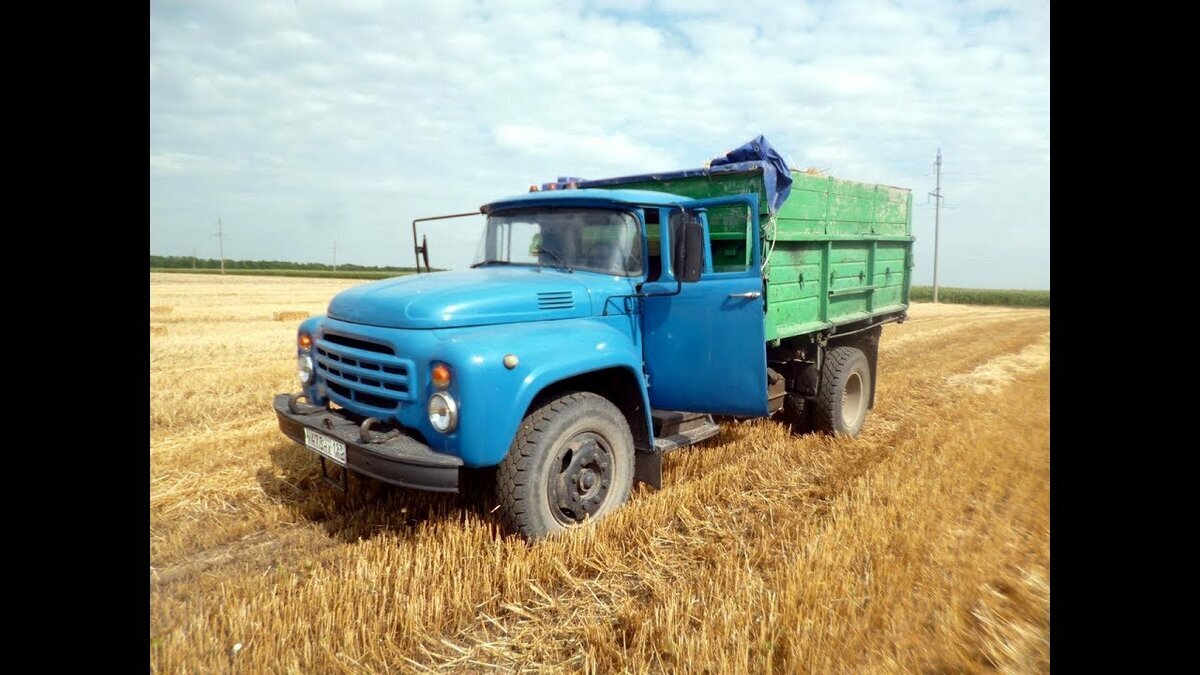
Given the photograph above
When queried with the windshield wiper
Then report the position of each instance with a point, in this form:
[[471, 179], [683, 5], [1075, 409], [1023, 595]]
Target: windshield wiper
[[556, 257], [491, 262]]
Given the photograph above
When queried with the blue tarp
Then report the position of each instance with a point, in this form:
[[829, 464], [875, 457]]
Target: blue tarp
[[776, 174]]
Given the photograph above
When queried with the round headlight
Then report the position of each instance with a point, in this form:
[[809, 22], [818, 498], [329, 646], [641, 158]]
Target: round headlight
[[304, 368], [443, 412]]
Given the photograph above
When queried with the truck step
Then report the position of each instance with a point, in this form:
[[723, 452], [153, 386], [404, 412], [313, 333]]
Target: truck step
[[674, 429]]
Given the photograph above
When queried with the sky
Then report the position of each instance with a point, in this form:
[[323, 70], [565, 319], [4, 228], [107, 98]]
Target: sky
[[300, 123]]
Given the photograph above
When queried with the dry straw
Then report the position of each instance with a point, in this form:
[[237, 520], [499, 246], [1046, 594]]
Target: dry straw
[[921, 546]]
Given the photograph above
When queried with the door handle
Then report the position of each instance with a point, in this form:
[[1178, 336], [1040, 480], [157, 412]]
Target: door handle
[[748, 294]]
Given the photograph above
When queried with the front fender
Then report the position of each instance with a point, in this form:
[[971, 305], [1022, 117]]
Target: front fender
[[493, 399]]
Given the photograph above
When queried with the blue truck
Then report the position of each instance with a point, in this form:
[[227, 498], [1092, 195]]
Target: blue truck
[[603, 323]]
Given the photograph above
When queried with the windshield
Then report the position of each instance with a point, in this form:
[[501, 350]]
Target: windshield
[[596, 240]]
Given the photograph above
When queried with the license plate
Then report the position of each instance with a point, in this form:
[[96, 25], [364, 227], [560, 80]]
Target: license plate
[[335, 450]]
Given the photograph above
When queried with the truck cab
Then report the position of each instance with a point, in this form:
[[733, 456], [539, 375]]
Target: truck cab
[[577, 304]]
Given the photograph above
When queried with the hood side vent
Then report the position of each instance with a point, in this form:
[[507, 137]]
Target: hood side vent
[[556, 300]]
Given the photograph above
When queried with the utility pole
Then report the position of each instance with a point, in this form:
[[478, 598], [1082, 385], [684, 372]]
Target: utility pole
[[937, 221], [193, 258], [220, 235], [335, 255]]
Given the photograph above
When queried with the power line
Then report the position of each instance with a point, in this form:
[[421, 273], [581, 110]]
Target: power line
[[937, 221], [220, 235]]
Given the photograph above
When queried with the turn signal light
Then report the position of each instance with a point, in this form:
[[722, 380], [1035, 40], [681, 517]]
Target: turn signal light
[[305, 341], [441, 376]]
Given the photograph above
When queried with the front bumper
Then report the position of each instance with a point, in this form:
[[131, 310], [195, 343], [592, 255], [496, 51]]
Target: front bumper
[[401, 460]]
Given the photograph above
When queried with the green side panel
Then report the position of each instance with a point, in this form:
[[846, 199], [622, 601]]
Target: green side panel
[[840, 251]]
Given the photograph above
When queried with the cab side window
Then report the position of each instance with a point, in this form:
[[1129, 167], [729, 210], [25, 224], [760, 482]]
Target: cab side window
[[654, 245], [729, 232]]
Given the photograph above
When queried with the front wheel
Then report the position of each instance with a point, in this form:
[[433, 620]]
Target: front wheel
[[571, 462]]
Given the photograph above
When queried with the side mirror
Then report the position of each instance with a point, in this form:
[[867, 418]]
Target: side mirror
[[689, 252]]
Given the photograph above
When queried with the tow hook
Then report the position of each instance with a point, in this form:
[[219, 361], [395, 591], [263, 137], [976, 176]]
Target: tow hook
[[297, 408], [368, 436]]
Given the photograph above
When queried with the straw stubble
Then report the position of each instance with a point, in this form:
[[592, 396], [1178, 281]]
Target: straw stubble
[[922, 545]]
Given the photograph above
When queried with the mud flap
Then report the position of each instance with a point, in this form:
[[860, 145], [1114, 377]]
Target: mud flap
[[647, 467], [870, 347]]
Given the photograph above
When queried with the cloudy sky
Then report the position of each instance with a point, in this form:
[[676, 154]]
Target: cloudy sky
[[299, 122]]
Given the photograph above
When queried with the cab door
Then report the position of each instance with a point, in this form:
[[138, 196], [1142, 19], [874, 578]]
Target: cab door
[[705, 347]]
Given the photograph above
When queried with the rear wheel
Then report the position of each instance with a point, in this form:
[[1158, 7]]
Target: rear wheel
[[571, 462], [798, 411], [844, 394]]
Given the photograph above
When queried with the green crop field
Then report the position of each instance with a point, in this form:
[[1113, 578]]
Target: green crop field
[[321, 274], [982, 296]]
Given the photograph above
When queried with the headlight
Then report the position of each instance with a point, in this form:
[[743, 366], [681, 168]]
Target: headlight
[[304, 368], [443, 412]]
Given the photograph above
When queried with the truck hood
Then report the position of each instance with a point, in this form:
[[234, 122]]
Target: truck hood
[[477, 297]]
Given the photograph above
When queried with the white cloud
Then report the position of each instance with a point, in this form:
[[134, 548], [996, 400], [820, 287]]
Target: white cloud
[[171, 162], [621, 5], [615, 149], [347, 120]]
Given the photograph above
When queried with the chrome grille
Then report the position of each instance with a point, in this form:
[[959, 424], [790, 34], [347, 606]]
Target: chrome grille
[[365, 374]]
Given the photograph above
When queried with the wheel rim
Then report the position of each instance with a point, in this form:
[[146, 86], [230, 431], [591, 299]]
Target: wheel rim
[[853, 400], [580, 478]]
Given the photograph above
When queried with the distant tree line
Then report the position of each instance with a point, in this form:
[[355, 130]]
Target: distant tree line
[[179, 262], [982, 296]]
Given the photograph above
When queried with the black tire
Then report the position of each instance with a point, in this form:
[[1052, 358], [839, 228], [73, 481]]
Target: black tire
[[571, 462], [844, 394], [798, 412]]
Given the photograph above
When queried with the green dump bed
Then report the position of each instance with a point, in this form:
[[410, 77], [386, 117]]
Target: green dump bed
[[837, 252]]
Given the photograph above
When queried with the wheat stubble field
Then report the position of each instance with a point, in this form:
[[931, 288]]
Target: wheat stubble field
[[923, 545]]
